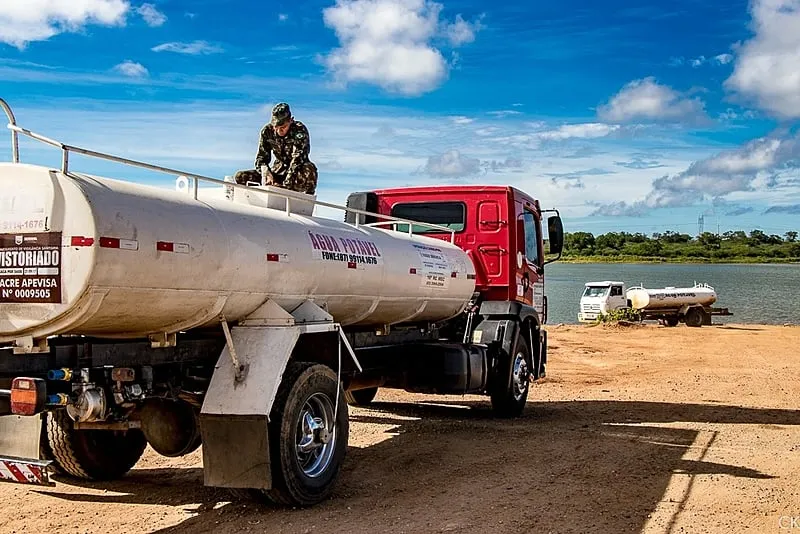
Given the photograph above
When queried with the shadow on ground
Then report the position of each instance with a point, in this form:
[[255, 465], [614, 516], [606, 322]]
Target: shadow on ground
[[582, 466]]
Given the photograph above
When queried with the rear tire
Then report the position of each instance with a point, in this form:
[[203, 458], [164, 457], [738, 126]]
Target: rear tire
[[694, 317], [305, 466], [92, 454], [45, 451], [360, 397], [510, 393]]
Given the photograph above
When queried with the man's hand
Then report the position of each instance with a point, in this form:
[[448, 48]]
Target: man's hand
[[266, 175]]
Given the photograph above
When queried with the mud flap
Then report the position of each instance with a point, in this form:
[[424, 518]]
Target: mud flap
[[19, 451], [235, 415], [19, 436]]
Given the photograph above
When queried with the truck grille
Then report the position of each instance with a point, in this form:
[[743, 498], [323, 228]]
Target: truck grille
[[591, 307]]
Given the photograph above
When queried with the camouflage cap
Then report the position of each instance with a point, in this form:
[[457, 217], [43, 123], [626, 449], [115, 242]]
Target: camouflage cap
[[281, 114]]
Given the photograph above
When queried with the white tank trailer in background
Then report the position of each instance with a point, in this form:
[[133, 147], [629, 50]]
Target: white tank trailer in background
[[668, 305], [234, 317]]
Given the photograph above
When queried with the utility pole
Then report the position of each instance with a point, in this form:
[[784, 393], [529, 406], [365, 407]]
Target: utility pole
[[700, 224]]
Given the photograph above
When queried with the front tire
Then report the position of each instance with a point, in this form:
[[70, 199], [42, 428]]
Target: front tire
[[511, 392]]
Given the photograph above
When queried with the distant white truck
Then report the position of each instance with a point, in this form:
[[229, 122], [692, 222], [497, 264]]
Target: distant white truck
[[669, 305]]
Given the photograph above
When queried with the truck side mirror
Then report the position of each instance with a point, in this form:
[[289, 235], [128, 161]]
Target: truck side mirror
[[555, 234]]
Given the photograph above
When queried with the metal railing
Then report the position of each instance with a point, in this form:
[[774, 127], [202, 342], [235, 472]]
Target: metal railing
[[197, 178]]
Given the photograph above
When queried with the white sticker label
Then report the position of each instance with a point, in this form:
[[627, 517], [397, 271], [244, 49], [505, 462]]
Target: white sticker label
[[435, 267], [181, 248]]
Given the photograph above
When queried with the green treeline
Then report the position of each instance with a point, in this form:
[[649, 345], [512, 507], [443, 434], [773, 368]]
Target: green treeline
[[737, 246]]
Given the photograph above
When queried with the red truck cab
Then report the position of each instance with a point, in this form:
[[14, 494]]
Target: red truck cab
[[500, 228]]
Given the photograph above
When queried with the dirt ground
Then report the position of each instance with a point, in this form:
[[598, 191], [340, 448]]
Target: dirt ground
[[635, 429]]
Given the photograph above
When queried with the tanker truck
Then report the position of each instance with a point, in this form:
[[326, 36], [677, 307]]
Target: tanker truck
[[669, 305], [234, 317]]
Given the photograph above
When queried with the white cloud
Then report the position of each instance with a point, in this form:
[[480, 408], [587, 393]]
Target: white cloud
[[460, 119], [151, 15], [194, 48], [719, 59], [283, 17], [766, 67], [462, 32], [505, 113], [723, 59], [646, 99], [452, 164], [755, 165], [24, 21], [132, 69], [696, 62], [589, 130], [389, 43]]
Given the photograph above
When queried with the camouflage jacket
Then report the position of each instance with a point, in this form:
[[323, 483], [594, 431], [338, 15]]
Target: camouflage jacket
[[291, 151]]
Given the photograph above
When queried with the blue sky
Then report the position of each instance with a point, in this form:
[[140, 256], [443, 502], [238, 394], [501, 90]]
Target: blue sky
[[637, 116]]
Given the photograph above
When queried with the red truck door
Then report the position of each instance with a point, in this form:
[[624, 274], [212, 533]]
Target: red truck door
[[528, 260]]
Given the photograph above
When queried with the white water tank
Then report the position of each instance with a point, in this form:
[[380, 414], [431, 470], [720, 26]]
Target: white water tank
[[671, 297], [94, 256]]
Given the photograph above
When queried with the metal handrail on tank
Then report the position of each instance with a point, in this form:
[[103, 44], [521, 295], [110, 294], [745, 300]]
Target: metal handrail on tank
[[196, 178], [12, 121]]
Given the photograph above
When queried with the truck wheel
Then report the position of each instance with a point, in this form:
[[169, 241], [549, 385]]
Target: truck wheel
[[510, 395], [45, 450], [694, 317], [92, 454], [672, 320], [360, 397], [307, 447]]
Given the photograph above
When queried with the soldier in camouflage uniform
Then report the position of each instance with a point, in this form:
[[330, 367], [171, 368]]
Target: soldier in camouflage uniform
[[288, 139]]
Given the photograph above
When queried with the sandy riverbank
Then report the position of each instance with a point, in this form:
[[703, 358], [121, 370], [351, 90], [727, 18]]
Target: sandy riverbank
[[636, 429]]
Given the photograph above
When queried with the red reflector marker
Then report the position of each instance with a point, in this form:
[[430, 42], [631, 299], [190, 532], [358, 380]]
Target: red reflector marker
[[454, 275], [168, 246], [28, 396], [412, 271], [273, 257], [109, 242], [80, 241], [351, 265], [115, 242]]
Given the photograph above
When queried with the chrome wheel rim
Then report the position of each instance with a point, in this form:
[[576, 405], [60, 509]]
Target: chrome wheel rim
[[315, 435], [520, 375]]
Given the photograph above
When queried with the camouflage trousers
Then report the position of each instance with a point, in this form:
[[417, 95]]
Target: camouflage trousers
[[303, 181]]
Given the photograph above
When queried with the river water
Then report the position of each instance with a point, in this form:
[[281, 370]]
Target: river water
[[754, 293]]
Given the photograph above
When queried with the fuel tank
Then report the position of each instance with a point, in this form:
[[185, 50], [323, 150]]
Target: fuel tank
[[88, 255]]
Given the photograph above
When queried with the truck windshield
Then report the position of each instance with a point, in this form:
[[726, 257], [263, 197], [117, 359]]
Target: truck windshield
[[595, 291], [449, 214]]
